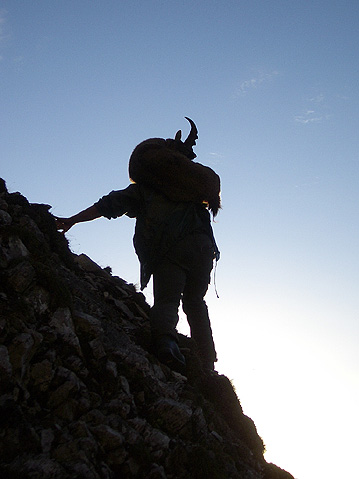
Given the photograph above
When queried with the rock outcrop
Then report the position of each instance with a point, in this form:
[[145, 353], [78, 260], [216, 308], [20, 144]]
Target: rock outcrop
[[81, 393]]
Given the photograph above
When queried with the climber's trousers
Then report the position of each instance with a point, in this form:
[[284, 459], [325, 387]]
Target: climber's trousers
[[185, 275]]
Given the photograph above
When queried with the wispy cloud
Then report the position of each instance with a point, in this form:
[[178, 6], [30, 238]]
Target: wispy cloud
[[309, 182], [315, 110], [308, 116], [255, 82], [317, 98]]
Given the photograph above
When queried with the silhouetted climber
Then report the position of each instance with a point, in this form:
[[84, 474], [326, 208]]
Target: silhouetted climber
[[170, 197]]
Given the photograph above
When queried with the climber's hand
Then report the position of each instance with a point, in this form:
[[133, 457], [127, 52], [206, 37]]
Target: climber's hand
[[64, 224]]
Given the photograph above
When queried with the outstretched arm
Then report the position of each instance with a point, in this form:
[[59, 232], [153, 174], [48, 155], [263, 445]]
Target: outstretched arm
[[64, 224]]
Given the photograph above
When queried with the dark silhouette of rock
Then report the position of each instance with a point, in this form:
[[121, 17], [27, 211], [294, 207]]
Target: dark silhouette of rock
[[82, 395]]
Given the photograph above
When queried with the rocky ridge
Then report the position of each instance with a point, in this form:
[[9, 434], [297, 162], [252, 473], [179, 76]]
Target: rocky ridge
[[81, 393]]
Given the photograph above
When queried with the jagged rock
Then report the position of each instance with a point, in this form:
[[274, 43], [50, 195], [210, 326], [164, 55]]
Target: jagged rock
[[21, 276], [82, 395], [42, 374], [87, 264], [47, 439], [5, 218], [5, 365], [87, 324], [37, 467], [38, 299], [174, 416], [12, 248], [61, 322], [22, 349]]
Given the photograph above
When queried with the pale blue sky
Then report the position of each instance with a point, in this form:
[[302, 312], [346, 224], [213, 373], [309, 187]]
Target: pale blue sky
[[273, 89]]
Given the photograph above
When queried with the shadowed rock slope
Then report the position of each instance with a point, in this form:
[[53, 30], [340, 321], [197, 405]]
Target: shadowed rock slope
[[81, 393]]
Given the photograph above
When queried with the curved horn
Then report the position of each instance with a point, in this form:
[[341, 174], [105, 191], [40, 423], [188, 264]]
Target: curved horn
[[178, 135], [193, 134]]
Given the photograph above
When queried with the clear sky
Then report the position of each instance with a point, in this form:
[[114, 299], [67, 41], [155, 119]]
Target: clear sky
[[273, 89]]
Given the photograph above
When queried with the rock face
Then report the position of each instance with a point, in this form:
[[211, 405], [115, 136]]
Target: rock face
[[81, 393]]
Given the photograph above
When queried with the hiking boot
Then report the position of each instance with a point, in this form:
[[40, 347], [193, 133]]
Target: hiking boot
[[168, 353]]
